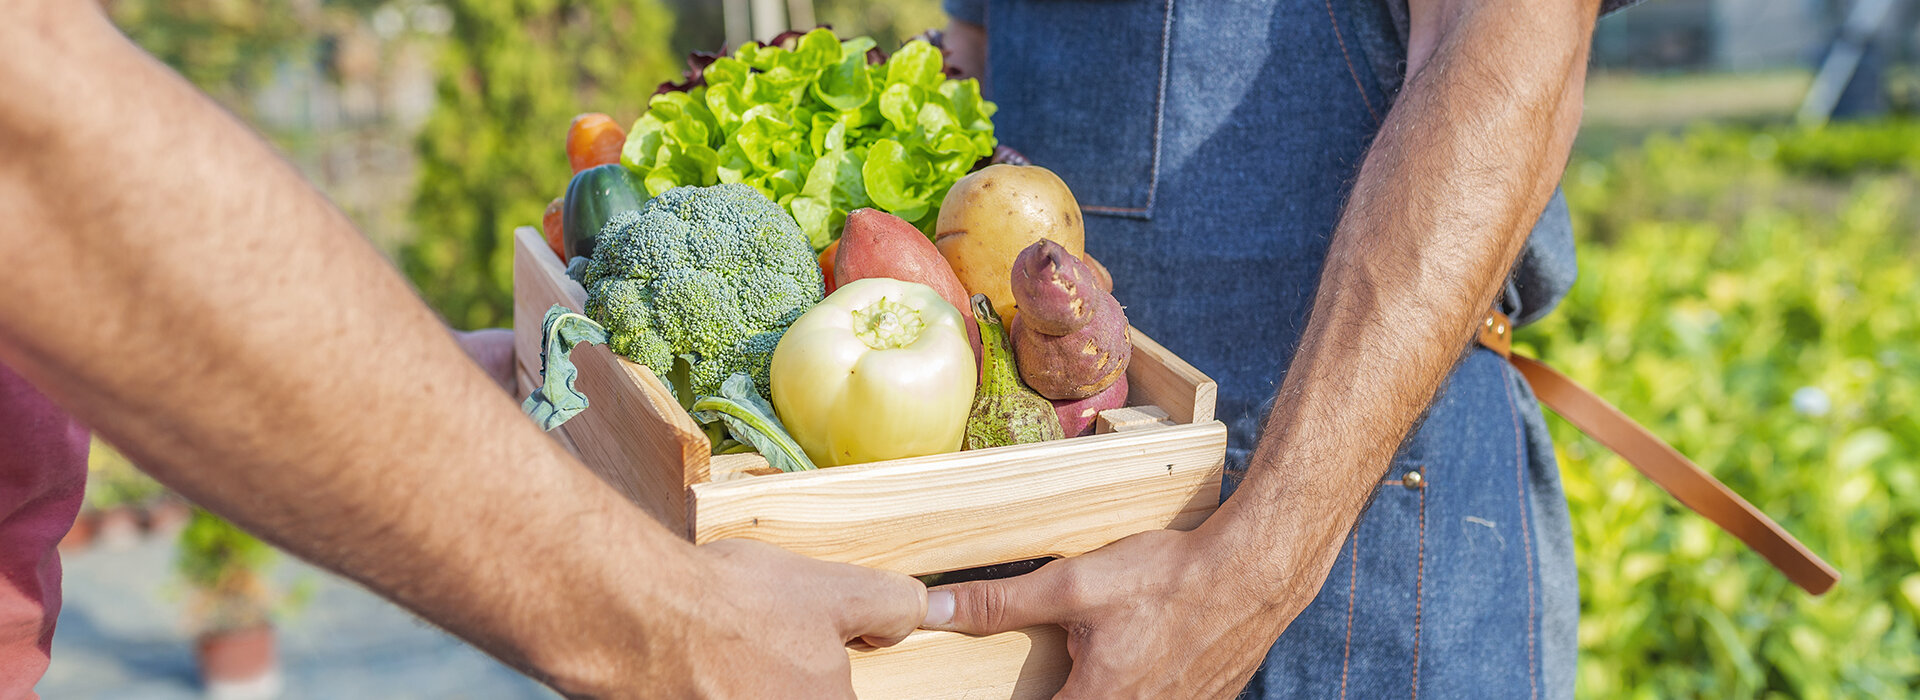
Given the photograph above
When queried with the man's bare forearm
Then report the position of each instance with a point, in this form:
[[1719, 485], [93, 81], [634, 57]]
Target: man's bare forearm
[[179, 287], [1463, 165]]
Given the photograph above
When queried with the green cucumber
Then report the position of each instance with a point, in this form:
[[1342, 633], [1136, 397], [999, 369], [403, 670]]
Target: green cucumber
[[596, 195]]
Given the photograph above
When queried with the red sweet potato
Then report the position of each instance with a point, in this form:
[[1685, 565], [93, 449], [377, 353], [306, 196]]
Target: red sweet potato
[[877, 244], [1078, 416], [1100, 273]]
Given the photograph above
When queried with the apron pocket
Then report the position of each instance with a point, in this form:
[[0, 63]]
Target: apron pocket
[[1092, 114]]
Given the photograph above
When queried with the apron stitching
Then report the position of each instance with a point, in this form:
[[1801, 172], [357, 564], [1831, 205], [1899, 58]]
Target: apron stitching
[[1419, 587], [1526, 527], [1350, 71], [1159, 109], [1353, 585]]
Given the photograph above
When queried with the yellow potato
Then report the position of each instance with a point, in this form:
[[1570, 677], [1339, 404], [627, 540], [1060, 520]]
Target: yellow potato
[[991, 215]]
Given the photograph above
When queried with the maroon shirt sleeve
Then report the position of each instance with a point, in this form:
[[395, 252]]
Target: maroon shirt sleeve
[[43, 472]]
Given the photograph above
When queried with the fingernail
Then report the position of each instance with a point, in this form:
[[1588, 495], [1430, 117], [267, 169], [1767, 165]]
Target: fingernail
[[939, 608]]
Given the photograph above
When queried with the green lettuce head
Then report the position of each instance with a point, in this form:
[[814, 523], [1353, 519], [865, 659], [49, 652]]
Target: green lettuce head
[[819, 130]]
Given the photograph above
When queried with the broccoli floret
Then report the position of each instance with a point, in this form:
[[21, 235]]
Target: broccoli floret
[[717, 273]]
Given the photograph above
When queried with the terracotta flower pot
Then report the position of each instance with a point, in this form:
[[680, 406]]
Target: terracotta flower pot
[[85, 526], [119, 528], [239, 664]]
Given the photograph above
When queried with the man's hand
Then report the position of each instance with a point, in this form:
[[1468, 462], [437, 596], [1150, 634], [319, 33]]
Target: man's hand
[[794, 615], [1460, 170], [1150, 616], [763, 623]]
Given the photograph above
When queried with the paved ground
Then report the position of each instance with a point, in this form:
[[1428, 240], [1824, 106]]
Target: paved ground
[[121, 636]]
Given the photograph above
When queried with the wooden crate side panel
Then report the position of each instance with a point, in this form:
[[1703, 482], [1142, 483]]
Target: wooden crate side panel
[[626, 435], [1157, 377], [1026, 664], [953, 511]]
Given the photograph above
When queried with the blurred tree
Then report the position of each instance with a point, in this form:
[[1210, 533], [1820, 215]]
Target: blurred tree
[[513, 73], [227, 48]]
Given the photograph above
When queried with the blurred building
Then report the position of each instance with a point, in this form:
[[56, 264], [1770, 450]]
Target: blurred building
[[1732, 34]]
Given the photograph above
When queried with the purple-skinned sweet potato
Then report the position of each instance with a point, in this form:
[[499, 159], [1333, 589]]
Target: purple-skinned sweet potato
[[1078, 416], [1079, 364], [1056, 291], [1100, 273]]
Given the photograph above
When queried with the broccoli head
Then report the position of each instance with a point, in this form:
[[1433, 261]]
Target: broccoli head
[[715, 273]]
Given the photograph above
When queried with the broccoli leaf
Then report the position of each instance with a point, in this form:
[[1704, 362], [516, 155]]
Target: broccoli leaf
[[679, 381], [750, 419], [555, 400]]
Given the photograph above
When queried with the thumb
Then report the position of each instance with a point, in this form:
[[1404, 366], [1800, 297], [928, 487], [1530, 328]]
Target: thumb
[[880, 607], [1001, 605]]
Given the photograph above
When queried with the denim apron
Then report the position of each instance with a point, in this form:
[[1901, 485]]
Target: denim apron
[[1211, 145]]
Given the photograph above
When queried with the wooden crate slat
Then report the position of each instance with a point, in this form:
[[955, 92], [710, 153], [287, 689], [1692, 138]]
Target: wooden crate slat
[[1120, 420], [1025, 664], [952, 511]]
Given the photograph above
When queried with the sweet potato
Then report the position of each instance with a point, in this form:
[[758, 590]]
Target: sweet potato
[[1078, 364], [1078, 416], [877, 244], [1056, 292], [1100, 273]]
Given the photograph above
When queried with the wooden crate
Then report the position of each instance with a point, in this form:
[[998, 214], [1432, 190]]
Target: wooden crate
[[1156, 465]]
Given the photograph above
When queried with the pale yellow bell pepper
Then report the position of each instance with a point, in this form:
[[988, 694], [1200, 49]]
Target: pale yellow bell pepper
[[881, 369]]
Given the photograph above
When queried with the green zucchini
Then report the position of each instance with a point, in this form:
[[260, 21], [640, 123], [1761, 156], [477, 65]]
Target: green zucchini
[[594, 196]]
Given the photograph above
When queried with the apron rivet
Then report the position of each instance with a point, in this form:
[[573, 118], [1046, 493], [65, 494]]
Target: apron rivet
[[1413, 480]]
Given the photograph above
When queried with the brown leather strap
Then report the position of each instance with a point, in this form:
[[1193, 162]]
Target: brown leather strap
[[1695, 488]]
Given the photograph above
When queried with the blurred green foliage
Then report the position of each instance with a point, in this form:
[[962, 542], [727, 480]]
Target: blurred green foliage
[[226, 47], [512, 76], [112, 480], [213, 551], [226, 570], [1751, 295]]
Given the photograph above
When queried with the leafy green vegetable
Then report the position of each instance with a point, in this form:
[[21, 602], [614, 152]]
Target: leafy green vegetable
[[555, 400], [820, 130], [751, 420]]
